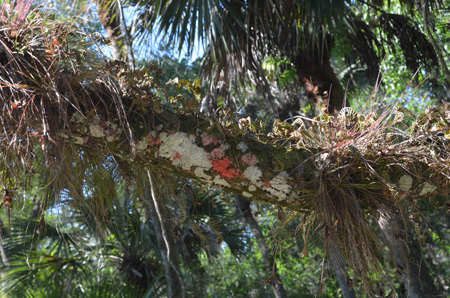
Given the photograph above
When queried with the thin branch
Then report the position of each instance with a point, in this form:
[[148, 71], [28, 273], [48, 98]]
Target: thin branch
[[164, 232]]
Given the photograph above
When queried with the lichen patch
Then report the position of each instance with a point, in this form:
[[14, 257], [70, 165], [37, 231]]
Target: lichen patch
[[280, 186], [142, 145], [242, 146], [77, 118], [220, 181], [201, 174], [249, 159], [183, 152], [96, 131], [78, 140], [427, 188], [208, 139], [152, 140], [222, 163], [224, 168], [405, 182], [253, 174], [247, 194]]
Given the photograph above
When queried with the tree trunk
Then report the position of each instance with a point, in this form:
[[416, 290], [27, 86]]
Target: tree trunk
[[341, 273], [270, 267], [319, 81], [110, 20], [166, 245], [407, 255]]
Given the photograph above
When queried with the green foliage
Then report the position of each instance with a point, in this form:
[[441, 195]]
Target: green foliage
[[301, 276], [71, 256], [281, 70], [238, 277]]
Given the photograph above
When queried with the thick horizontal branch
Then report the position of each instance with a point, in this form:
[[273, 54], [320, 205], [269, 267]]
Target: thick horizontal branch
[[258, 167]]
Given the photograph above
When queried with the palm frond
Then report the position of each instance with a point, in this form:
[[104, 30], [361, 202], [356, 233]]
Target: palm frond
[[417, 50]]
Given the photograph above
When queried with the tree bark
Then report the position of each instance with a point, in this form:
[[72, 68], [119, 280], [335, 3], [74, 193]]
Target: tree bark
[[320, 81], [270, 266], [408, 259]]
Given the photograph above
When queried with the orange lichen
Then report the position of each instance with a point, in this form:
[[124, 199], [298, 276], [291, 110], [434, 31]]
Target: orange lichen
[[222, 166], [177, 156], [153, 141]]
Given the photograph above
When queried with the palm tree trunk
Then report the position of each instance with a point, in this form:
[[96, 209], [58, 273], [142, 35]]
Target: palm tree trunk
[[166, 245], [320, 81], [407, 254], [110, 20], [270, 266]]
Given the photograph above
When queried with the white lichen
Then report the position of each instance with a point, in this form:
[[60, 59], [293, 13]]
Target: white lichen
[[405, 182], [279, 186], [220, 181], [96, 131], [252, 188], [77, 118], [253, 174], [113, 126], [142, 145], [246, 194], [242, 146], [77, 140], [427, 188], [201, 174], [187, 153], [111, 130]]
